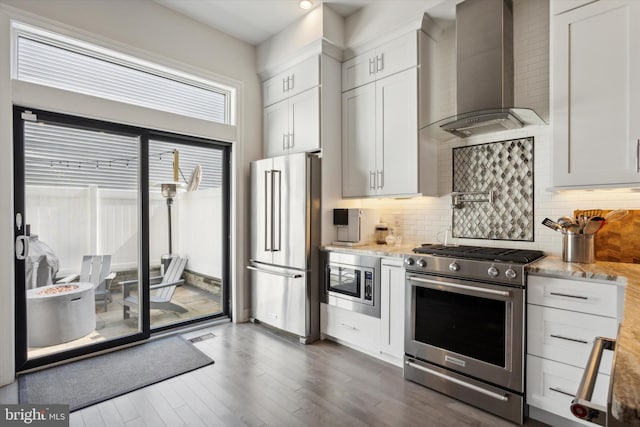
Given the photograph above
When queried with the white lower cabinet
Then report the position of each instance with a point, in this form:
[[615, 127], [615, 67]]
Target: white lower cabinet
[[392, 309], [552, 385], [564, 316], [348, 327], [381, 337]]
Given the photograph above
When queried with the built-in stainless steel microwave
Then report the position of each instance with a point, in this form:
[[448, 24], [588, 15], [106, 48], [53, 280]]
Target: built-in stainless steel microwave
[[352, 282]]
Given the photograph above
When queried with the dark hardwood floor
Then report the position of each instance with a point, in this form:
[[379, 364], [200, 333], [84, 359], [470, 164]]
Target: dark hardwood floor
[[261, 377]]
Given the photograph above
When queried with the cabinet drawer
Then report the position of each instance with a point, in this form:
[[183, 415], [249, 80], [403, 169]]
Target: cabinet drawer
[[349, 327], [567, 336], [293, 81], [585, 297], [552, 385]]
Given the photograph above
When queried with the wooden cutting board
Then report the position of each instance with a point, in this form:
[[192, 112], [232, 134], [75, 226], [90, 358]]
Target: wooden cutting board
[[619, 241]]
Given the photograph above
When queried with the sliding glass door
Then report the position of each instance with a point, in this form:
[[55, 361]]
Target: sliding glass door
[[119, 230]]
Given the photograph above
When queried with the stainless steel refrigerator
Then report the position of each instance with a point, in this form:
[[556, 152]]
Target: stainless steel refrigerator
[[285, 234]]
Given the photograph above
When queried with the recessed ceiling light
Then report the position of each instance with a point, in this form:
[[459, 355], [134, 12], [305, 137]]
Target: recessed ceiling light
[[305, 4]]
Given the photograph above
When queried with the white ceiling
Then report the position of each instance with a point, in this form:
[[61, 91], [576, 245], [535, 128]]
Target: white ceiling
[[253, 21]]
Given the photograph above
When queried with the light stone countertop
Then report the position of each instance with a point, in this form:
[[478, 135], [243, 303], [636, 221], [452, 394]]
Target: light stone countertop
[[625, 404]]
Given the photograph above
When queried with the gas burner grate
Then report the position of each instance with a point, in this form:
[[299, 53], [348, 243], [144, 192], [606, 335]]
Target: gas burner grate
[[520, 256]]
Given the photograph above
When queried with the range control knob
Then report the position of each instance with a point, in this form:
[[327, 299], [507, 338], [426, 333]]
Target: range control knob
[[454, 266], [510, 273], [493, 272], [421, 263], [409, 261]]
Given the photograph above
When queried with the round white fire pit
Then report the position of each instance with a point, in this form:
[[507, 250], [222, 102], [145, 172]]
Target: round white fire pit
[[60, 313]]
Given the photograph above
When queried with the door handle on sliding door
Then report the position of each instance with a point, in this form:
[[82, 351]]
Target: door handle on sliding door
[[22, 247]]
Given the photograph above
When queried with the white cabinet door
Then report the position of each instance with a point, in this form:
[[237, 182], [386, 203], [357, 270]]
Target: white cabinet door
[[397, 55], [392, 308], [276, 129], [567, 336], [552, 385], [304, 122], [293, 125], [397, 134], [292, 81], [358, 71], [358, 141], [596, 79], [351, 328]]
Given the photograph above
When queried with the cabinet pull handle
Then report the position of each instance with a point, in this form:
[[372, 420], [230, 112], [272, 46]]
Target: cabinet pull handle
[[558, 294], [380, 179], [344, 325], [557, 390], [284, 84], [372, 65], [372, 180], [284, 141], [560, 337], [291, 141], [637, 155], [290, 81], [380, 62]]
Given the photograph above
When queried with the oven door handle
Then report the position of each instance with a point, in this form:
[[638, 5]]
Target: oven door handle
[[505, 294], [459, 382]]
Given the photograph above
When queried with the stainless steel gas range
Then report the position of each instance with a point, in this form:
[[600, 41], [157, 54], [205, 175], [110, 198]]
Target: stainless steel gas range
[[465, 320]]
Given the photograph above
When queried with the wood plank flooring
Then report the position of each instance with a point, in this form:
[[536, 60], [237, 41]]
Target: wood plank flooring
[[263, 378]]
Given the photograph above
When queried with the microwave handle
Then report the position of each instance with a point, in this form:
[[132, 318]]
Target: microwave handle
[[581, 406]]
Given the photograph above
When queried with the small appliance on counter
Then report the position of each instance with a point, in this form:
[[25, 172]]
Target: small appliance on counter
[[352, 226]]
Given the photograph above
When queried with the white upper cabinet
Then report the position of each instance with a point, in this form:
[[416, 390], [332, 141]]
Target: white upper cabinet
[[293, 81], [596, 99], [389, 58], [380, 150], [292, 125]]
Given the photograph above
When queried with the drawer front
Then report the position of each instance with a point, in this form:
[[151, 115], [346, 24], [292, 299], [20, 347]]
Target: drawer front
[[552, 385], [293, 81], [567, 336], [352, 328], [585, 297]]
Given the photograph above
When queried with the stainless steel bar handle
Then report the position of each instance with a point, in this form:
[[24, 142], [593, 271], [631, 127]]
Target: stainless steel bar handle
[[474, 387], [268, 211], [557, 390], [558, 294], [581, 405], [560, 337], [372, 180], [372, 66], [275, 273], [291, 141], [380, 179], [291, 81], [461, 287], [276, 234], [380, 62]]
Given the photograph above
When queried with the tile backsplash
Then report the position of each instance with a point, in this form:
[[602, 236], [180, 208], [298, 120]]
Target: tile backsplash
[[504, 170]]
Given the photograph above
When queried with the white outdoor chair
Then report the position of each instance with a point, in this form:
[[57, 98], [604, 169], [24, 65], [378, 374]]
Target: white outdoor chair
[[95, 269], [162, 293]]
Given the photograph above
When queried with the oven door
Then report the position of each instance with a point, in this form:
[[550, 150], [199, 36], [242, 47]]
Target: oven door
[[476, 329]]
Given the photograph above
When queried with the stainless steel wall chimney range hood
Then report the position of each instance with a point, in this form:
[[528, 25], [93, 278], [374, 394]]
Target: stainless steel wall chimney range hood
[[485, 73]]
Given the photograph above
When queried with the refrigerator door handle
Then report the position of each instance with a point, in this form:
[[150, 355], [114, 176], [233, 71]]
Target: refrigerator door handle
[[276, 233], [268, 214], [276, 273]]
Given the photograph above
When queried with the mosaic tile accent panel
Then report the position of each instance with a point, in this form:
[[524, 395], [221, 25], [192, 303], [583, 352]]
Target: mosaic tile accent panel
[[506, 168]]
